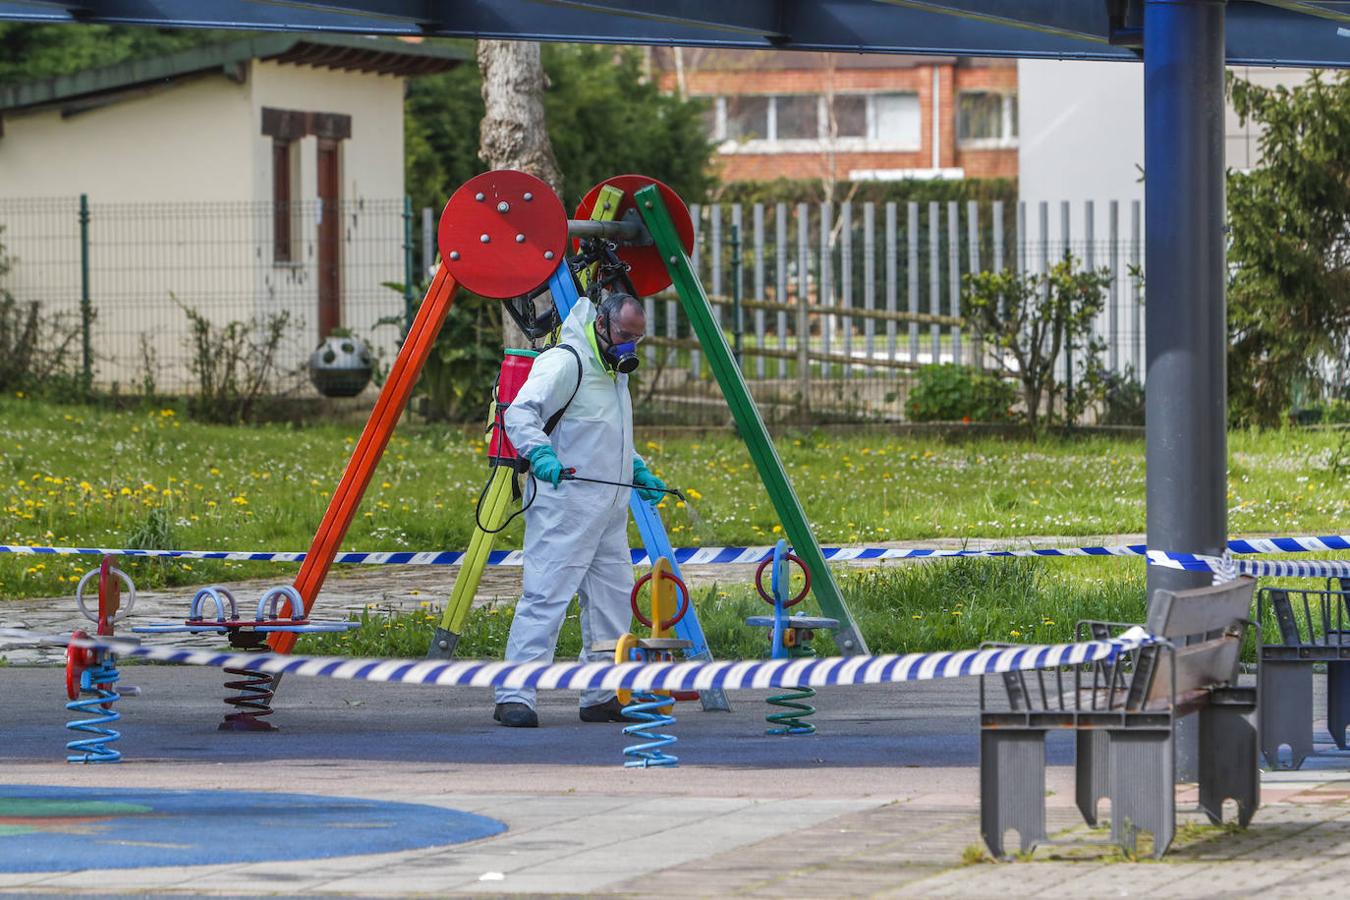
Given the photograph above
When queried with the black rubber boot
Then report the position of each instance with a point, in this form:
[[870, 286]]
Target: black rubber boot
[[516, 715], [609, 711]]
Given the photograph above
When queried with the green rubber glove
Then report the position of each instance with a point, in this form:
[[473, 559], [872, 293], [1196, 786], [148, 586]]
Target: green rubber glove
[[545, 465], [654, 492]]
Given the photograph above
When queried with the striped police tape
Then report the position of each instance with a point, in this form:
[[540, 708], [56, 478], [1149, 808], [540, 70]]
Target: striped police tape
[[1228, 567], [692, 675], [703, 555]]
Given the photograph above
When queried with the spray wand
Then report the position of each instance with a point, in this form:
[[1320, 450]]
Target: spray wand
[[695, 519], [571, 475]]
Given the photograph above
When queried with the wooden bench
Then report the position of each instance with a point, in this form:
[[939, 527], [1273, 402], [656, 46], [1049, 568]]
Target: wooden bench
[[1123, 713], [1311, 627]]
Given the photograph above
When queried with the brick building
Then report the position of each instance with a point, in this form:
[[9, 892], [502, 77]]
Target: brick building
[[778, 114]]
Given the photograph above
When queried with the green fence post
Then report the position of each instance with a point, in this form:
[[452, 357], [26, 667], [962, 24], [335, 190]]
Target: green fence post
[[409, 269], [86, 306], [747, 417], [737, 317]]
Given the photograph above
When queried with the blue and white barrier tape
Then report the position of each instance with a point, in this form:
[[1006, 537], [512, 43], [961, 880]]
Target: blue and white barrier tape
[[693, 675], [701, 555], [1262, 568]]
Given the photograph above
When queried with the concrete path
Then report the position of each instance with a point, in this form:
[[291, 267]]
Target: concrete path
[[350, 589], [883, 801]]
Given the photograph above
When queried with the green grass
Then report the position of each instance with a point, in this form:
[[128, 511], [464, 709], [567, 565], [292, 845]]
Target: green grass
[[932, 606], [82, 476]]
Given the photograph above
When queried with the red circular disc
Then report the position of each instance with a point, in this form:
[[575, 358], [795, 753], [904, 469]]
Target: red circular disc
[[495, 242], [109, 595], [77, 660], [647, 270]]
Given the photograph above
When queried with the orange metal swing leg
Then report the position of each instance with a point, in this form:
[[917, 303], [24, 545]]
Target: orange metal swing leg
[[374, 438]]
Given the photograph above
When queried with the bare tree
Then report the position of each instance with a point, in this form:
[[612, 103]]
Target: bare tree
[[514, 133]]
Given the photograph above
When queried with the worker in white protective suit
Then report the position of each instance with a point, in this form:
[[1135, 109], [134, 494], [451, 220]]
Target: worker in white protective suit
[[576, 532]]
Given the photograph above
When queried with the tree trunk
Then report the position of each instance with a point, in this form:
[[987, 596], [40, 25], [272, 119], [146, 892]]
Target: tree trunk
[[514, 133]]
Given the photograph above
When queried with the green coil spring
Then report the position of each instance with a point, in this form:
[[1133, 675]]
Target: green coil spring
[[791, 720]]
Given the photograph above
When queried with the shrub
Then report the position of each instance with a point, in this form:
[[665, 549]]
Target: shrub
[[1122, 399], [952, 393], [39, 351], [233, 364]]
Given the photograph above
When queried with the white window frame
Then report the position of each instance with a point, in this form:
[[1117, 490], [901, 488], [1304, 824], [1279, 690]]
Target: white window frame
[[822, 143], [1004, 141]]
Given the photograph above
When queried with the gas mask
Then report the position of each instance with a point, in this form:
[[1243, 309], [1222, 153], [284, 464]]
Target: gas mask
[[622, 357]]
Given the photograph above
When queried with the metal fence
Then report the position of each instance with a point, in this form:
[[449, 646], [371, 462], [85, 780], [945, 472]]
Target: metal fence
[[831, 306], [143, 263]]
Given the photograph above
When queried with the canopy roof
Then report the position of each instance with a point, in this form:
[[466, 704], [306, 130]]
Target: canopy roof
[[1259, 32], [384, 56]]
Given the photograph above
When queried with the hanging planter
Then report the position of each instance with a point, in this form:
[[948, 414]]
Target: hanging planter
[[341, 365]]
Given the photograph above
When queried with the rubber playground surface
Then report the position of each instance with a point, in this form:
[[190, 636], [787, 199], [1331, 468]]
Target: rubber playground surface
[[404, 790]]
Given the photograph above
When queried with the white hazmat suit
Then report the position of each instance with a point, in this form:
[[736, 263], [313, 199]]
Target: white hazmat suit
[[576, 535]]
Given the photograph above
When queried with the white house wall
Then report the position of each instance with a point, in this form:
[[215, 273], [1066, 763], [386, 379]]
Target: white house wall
[[186, 141], [371, 178], [180, 188]]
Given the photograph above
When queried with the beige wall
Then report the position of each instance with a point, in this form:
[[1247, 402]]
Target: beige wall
[[373, 159], [371, 164], [187, 141], [198, 144]]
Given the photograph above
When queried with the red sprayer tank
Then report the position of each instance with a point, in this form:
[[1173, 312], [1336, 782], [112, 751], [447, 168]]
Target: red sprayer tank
[[515, 369]]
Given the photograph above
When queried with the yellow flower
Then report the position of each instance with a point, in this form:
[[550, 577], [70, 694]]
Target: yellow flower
[[167, 413], [239, 501], [125, 492], [695, 494], [214, 470], [777, 529]]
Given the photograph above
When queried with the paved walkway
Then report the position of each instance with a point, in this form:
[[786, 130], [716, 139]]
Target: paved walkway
[[392, 588], [883, 801]]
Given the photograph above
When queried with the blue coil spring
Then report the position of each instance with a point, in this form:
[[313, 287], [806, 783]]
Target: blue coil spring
[[647, 707], [791, 720], [97, 681]]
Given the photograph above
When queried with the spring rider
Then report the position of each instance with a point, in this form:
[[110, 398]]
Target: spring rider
[[652, 708], [789, 637], [91, 673], [252, 702]]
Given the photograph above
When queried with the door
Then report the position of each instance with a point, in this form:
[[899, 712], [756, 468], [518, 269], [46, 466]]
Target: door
[[330, 231]]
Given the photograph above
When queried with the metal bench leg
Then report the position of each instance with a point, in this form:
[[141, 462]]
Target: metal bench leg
[[1012, 787], [1092, 771], [1143, 794], [1286, 711], [1338, 701], [1228, 755]]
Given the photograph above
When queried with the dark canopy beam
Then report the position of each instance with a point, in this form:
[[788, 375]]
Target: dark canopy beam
[[1269, 32], [1068, 18]]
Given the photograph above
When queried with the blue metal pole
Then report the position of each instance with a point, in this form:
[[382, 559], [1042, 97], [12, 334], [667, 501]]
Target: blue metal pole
[[1186, 338]]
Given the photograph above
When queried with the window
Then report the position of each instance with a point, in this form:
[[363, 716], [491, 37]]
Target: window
[[797, 118], [281, 201], [896, 118], [986, 117], [746, 119], [850, 116], [798, 123]]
